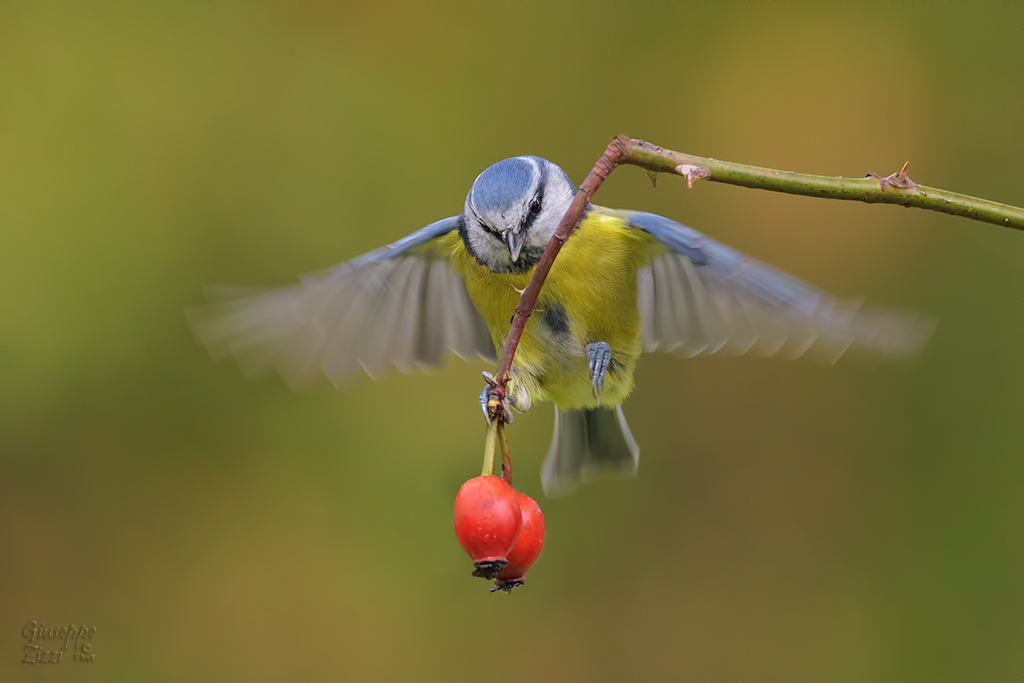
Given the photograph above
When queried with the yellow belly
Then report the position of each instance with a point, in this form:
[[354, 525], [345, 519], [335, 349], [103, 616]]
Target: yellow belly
[[590, 295]]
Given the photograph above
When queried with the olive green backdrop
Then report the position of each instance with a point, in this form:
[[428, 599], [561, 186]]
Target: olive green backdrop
[[790, 522]]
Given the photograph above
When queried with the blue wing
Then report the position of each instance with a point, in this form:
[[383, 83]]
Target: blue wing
[[701, 297], [399, 304]]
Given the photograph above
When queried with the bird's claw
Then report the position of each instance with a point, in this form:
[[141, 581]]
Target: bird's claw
[[493, 406], [483, 401], [599, 356], [493, 403]]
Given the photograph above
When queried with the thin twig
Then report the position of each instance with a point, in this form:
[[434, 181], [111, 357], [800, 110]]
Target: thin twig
[[605, 165], [506, 454]]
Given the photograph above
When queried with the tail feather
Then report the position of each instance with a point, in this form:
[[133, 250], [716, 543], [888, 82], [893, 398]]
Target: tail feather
[[588, 444]]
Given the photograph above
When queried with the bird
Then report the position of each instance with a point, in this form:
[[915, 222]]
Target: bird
[[624, 283]]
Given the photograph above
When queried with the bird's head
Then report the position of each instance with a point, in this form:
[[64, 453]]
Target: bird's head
[[513, 209]]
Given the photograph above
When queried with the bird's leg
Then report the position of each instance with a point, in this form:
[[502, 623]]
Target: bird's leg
[[499, 407], [483, 401], [599, 355], [518, 399]]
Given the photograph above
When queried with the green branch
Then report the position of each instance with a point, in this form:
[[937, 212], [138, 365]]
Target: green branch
[[897, 188]]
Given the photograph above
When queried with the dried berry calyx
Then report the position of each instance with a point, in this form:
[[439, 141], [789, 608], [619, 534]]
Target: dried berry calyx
[[507, 585], [488, 569]]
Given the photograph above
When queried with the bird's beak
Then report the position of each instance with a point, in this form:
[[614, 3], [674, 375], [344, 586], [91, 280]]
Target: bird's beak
[[515, 244]]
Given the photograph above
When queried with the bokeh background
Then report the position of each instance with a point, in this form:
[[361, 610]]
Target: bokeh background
[[791, 521]]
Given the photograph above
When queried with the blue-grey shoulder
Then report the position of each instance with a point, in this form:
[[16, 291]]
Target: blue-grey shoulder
[[727, 263], [406, 244], [676, 236]]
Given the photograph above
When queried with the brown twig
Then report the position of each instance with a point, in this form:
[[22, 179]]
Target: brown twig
[[605, 165], [506, 454]]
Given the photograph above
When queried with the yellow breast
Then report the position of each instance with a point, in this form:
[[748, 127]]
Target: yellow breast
[[590, 295]]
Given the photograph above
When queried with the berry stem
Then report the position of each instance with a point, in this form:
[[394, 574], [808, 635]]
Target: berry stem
[[490, 442], [506, 454]]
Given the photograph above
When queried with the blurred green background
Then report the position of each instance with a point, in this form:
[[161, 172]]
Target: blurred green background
[[791, 521]]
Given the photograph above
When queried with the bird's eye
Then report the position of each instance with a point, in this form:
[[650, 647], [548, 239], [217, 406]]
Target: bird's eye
[[535, 206]]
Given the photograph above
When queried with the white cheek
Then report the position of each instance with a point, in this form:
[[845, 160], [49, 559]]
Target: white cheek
[[546, 225], [490, 250], [557, 203]]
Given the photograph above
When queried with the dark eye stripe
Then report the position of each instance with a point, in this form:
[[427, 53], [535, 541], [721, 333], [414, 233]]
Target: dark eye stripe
[[538, 198], [491, 230]]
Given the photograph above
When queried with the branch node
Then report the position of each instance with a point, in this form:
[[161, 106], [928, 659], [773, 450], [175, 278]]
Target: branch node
[[899, 180], [692, 173]]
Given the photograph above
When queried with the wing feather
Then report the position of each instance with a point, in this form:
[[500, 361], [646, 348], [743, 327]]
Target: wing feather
[[379, 345], [407, 335], [433, 321], [400, 304], [702, 297], [649, 338], [671, 329]]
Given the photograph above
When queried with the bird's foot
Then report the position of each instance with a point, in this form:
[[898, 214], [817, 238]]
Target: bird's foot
[[599, 356], [493, 407]]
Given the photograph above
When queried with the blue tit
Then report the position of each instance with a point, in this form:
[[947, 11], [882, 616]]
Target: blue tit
[[625, 282]]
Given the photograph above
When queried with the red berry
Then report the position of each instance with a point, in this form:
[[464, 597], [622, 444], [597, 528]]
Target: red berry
[[487, 522], [527, 548]]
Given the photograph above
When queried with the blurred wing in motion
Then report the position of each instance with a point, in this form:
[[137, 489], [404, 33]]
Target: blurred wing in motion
[[700, 297], [399, 304]]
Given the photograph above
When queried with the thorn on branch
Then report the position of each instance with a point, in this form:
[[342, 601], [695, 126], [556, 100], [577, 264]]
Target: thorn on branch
[[692, 173], [899, 180], [654, 178]]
